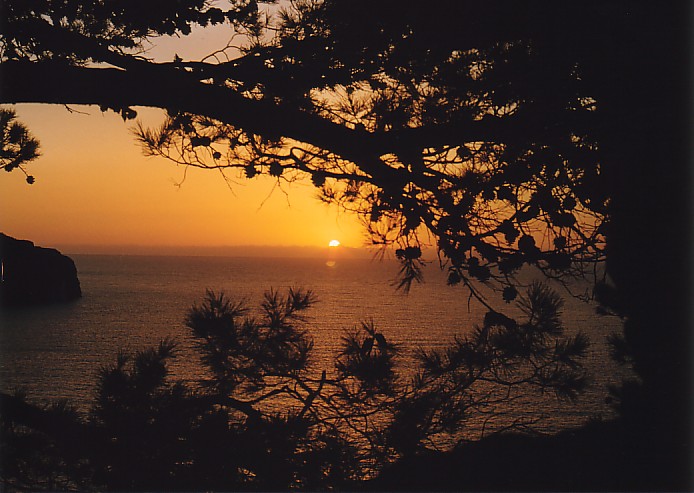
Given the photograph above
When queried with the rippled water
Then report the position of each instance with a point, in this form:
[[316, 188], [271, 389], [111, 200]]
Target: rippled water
[[131, 302]]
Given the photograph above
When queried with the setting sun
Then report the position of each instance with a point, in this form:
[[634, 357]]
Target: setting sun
[[334, 243]]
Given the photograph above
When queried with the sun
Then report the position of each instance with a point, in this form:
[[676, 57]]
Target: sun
[[334, 243]]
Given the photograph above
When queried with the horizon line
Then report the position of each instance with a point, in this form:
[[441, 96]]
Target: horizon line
[[216, 250]]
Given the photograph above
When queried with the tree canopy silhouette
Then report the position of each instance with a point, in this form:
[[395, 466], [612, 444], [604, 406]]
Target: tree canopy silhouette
[[482, 139]]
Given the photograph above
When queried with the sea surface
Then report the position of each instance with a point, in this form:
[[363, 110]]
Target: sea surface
[[132, 302]]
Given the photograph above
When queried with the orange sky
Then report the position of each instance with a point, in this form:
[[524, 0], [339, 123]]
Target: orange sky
[[95, 187]]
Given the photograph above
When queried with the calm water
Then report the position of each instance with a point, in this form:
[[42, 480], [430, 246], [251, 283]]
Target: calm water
[[131, 302]]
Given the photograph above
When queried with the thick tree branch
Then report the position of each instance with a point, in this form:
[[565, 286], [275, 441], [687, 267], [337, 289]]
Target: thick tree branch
[[163, 86], [171, 89]]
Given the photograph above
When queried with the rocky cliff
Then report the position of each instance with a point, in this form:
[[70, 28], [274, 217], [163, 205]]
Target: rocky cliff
[[34, 275]]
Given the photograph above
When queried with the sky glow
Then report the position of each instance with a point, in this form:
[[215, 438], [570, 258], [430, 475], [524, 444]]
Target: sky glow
[[94, 186]]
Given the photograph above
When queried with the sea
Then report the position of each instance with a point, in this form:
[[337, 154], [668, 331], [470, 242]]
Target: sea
[[132, 302]]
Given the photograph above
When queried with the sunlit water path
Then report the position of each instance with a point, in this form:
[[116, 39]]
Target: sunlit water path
[[131, 302]]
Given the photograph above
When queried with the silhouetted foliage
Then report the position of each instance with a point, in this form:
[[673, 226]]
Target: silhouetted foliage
[[499, 362], [18, 146], [141, 422], [264, 418], [41, 446], [426, 130], [243, 352], [46, 30]]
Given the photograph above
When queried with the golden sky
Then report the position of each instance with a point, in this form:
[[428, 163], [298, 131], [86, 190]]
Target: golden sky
[[94, 186]]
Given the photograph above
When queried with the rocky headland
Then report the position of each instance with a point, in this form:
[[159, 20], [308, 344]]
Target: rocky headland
[[33, 275]]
